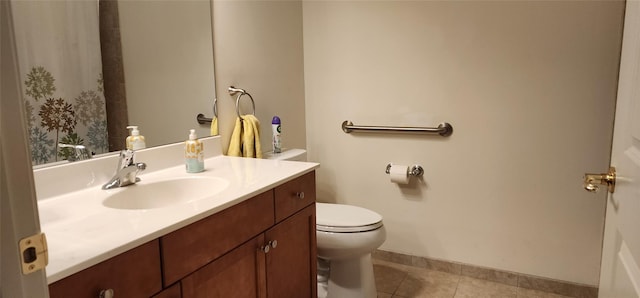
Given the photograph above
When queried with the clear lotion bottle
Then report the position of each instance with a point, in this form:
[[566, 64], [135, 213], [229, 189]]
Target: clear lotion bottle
[[194, 154]]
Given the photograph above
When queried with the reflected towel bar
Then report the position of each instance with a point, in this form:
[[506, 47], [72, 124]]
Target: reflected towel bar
[[444, 129], [202, 119]]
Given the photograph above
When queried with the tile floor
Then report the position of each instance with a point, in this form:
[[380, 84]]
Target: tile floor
[[401, 281]]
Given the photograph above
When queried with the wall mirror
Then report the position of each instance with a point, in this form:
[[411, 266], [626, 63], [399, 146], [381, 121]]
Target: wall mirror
[[91, 68]]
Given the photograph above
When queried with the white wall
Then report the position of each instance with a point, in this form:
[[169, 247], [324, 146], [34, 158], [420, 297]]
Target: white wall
[[529, 87], [258, 47]]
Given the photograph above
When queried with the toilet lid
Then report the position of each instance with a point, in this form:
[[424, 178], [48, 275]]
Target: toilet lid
[[339, 218]]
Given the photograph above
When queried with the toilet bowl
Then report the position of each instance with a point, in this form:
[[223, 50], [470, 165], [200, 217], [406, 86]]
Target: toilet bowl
[[346, 235]]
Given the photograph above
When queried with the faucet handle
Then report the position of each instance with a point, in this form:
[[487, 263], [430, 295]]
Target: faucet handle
[[81, 152], [126, 158]]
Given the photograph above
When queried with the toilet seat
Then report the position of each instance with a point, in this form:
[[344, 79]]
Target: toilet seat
[[339, 218]]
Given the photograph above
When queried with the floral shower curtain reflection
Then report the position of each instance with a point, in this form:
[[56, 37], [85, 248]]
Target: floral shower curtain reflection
[[61, 75]]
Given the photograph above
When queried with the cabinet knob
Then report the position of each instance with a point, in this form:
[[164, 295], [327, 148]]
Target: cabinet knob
[[265, 248], [300, 195], [108, 293]]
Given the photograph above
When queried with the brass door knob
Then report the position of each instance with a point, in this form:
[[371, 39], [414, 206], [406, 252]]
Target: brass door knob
[[592, 181]]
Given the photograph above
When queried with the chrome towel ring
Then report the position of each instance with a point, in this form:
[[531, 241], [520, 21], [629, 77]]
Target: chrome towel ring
[[233, 91]]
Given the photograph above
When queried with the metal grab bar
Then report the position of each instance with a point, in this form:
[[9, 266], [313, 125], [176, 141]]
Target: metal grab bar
[[444, 129]]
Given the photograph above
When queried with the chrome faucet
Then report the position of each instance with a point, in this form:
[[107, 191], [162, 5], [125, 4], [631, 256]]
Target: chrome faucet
[[80, 152], [126, 172]]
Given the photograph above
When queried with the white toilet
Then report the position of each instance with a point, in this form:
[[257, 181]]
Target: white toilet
[[346, 235]]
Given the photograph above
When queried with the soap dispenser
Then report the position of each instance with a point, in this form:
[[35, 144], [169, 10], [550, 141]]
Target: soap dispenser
[[135, 141], [193, 153]]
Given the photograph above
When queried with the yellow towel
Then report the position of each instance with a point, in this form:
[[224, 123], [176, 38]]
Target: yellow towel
[[245, 139], [235, 145], [214, 126]]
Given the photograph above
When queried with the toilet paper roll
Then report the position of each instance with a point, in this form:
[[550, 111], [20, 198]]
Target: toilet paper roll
[[399, 174]]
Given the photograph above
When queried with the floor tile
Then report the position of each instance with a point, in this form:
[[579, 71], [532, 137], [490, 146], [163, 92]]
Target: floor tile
[[423, 283], [476, 288], [388, 276]]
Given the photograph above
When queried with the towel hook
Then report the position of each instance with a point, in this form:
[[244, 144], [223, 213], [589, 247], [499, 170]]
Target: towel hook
[[233, 91]]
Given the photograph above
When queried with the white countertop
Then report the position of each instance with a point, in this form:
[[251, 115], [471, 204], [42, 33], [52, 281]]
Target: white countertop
[[81, 232]]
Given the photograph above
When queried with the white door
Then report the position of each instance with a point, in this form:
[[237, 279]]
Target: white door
[[619, 273], [18, 208]]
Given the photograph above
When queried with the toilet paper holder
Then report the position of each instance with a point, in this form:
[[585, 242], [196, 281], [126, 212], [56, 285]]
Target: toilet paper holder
[[415, 170]]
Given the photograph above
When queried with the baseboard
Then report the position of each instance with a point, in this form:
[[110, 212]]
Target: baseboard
[[505, 277]]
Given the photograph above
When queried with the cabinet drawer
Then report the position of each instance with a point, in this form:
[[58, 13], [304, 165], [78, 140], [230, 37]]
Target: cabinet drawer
[[295, 195], [135, 273], [189, 248]]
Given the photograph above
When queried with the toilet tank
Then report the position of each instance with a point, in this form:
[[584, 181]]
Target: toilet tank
[[287, 154]]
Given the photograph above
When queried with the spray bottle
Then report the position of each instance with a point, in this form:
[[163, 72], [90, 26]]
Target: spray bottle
[[277, 130]]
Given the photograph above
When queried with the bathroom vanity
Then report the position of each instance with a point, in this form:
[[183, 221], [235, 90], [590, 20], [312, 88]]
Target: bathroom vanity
[[253, 238]]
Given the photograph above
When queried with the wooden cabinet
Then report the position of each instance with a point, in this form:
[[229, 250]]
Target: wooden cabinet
[[238, 274], [189, 248], [294, 195], [174, 291], [279, 262], [135, 273], [264, 247], [286, 269], [291, 265]]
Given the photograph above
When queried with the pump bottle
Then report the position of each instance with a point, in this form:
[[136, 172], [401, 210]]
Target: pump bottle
[[193, 153], [135, 141]]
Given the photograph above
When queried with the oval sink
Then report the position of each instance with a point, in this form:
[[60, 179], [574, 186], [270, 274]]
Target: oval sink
[[165, 193]]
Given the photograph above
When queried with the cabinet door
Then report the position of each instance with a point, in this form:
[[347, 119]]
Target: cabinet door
[[135, 273], [291, 265], [238, 274]]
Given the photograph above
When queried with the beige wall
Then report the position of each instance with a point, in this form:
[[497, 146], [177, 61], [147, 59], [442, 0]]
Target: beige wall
[[168, 67], [258, 47], [529, 87]]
